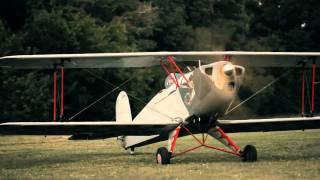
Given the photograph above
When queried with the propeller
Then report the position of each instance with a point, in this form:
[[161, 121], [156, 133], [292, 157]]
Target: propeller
[[228, 69]]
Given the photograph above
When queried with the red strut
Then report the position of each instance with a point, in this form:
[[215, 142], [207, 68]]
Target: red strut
[[55, 96], [171, 60], [62, 93], [174, 140], [302, 92], [169, 74], [230, 141], [313, 85]]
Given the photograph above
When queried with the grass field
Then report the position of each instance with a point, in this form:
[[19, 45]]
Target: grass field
[[282, 155]]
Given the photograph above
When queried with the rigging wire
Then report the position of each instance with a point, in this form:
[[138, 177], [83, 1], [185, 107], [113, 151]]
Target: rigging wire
[[99, 99], [134, 97]]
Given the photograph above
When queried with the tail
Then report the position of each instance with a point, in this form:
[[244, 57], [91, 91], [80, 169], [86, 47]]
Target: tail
[[123, 111], [123, 114]]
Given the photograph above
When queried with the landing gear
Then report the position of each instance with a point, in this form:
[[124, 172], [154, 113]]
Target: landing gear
[[163, 156], [132, 151], [249, 154]]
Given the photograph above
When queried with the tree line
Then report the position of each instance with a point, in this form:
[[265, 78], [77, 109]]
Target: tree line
[[94, 26]]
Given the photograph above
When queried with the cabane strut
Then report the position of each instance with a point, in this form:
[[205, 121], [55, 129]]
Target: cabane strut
[[173, 69]]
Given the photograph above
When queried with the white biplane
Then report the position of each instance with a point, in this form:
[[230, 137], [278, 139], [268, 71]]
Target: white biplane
[[191, 103]]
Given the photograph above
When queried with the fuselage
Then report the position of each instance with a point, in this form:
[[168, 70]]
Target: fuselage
[[207, 90]]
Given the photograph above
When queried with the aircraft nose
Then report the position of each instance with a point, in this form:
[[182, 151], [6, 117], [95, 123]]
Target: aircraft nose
[[228, 69]]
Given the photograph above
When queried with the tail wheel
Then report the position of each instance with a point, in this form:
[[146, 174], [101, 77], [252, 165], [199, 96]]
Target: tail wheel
[[163, 156], [249, 154]]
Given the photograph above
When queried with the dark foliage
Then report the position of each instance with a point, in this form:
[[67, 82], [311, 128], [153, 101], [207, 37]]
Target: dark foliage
[[79, 26]]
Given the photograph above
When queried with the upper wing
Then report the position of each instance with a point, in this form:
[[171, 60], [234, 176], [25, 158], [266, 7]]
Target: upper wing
[[274, 124], [147, 59], [101, 129]]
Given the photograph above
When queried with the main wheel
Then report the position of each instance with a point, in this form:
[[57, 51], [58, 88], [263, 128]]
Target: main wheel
[[163, 156], [249, 154]]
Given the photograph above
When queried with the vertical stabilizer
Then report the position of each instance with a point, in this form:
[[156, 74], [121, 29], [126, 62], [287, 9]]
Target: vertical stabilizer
[[123, 111]]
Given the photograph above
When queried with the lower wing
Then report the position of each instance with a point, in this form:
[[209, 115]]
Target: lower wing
[[274, 124], [102, 129]]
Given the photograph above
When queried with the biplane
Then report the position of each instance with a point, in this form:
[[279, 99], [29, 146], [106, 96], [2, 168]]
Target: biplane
[[192, 102]]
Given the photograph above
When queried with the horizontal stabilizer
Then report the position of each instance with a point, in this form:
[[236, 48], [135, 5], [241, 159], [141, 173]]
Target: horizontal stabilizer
[[137, 141]]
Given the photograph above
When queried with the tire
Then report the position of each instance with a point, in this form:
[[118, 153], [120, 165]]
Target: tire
[[249, 154], [163, 156]]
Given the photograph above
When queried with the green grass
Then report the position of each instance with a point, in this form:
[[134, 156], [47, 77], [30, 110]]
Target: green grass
[[282, 155]]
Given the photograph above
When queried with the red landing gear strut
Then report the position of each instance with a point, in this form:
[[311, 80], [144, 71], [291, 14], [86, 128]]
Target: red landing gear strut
[[163, 155]]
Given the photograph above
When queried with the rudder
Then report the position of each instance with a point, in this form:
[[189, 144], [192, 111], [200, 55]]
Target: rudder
[[123, 110]]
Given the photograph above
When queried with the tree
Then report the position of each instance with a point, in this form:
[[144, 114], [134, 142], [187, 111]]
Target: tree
[[49, 32]]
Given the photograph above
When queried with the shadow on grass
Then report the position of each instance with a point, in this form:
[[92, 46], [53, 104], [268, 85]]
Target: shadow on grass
[[22, 161], [29, 160], [290, 157], [203, 158], [51, 158], [24, 143]]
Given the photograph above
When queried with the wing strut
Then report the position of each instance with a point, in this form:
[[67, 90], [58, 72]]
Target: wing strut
[[313, 83], [55, 94], [62, 93], [303, 71], [174, 68]]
